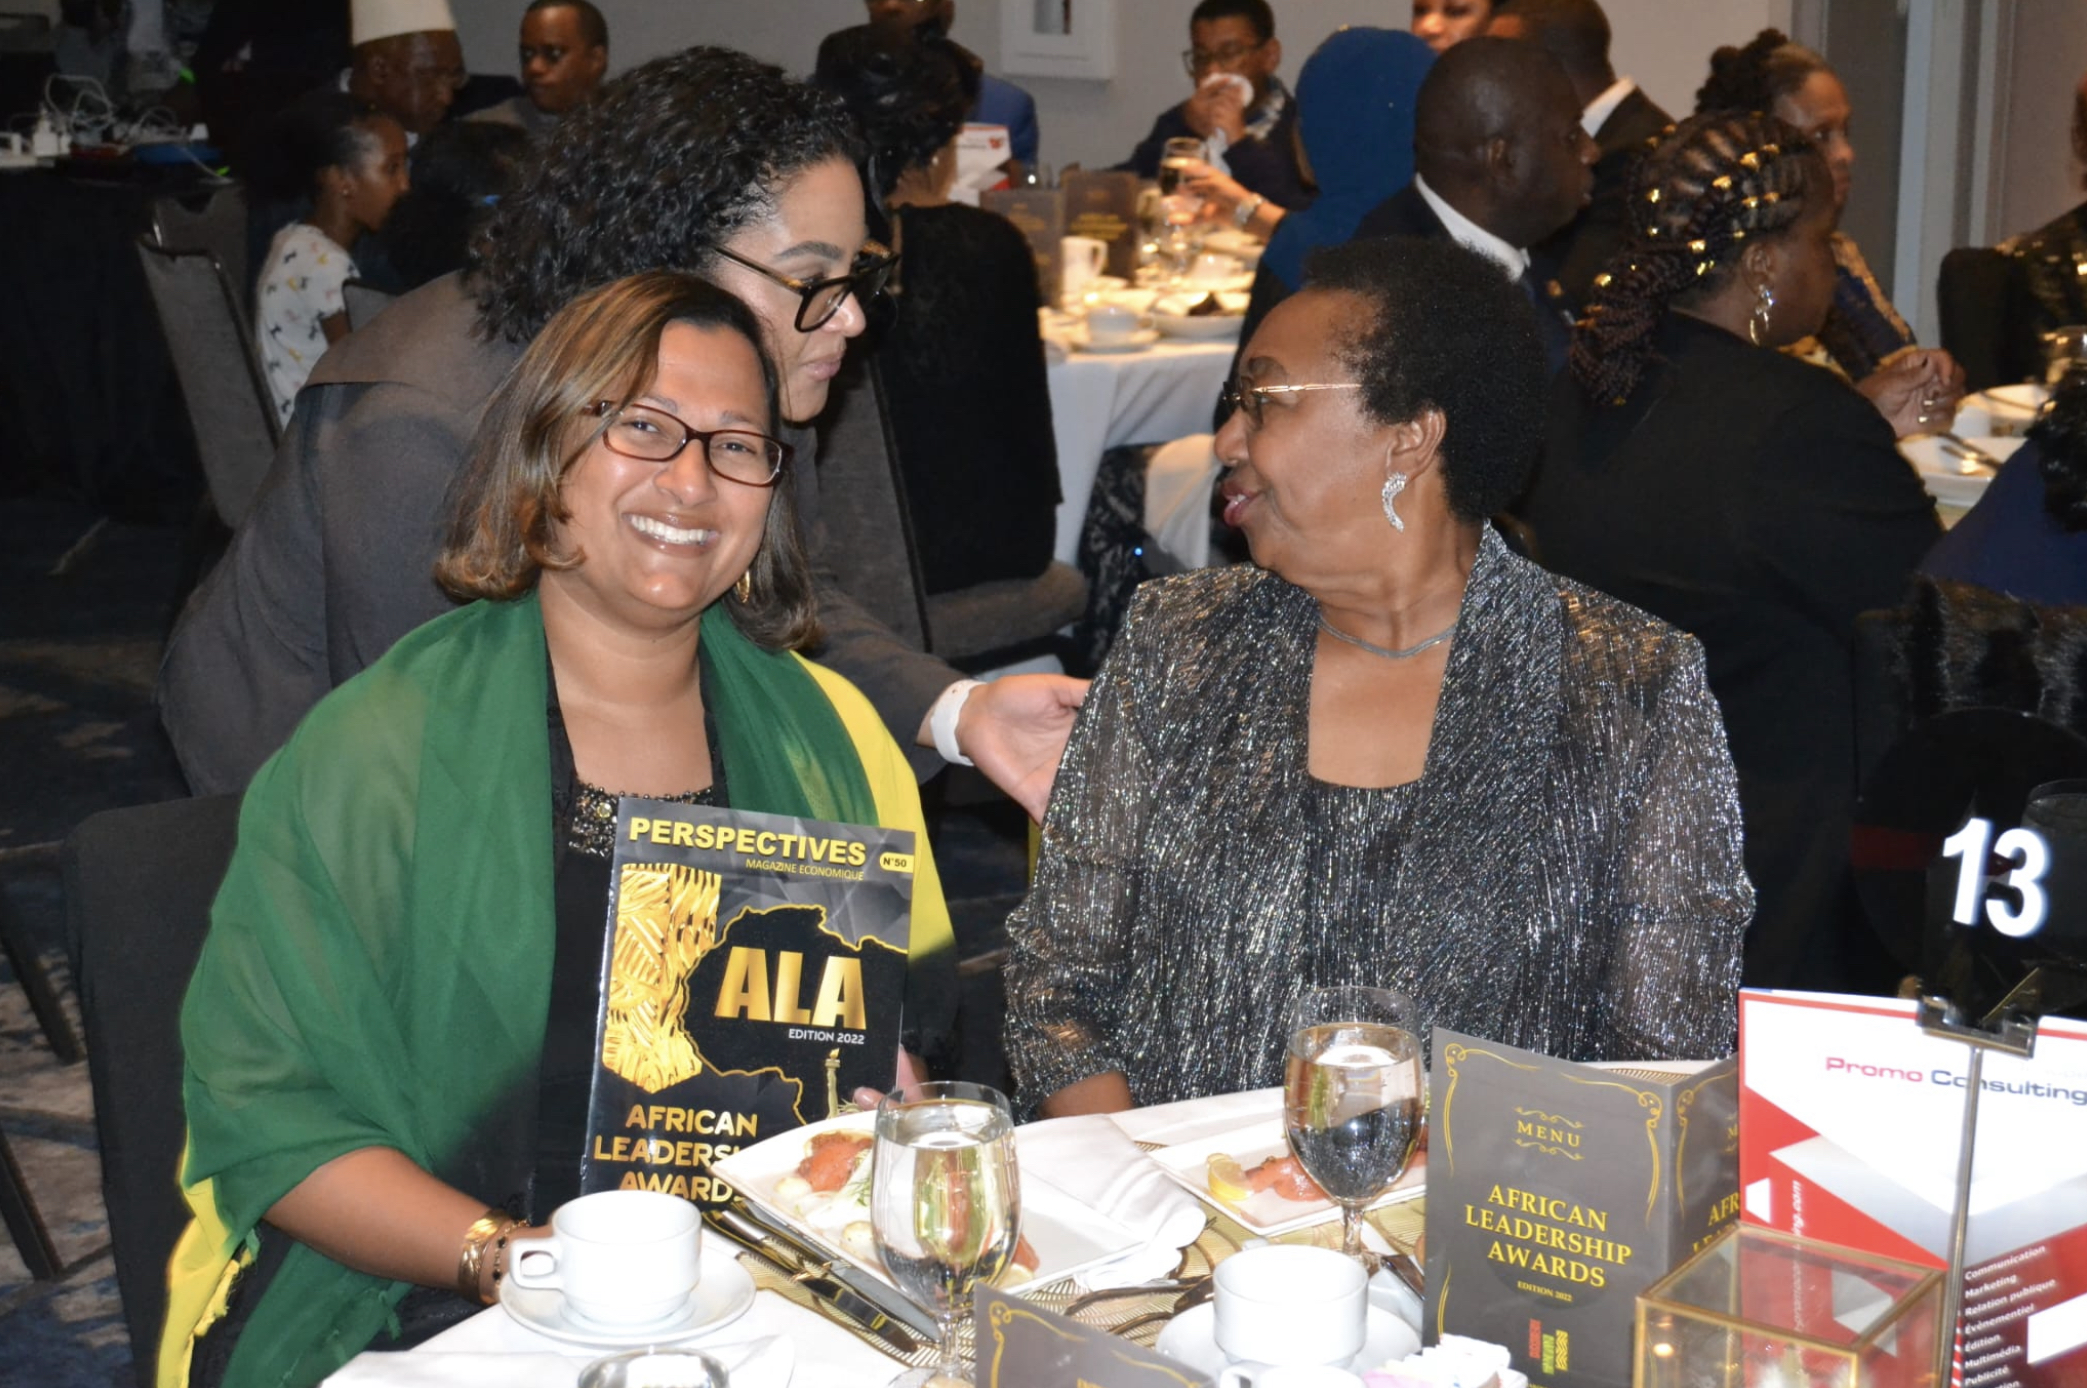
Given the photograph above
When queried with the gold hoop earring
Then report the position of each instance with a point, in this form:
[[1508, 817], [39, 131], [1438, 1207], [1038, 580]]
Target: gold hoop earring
[[1760, 324], [744, 588]]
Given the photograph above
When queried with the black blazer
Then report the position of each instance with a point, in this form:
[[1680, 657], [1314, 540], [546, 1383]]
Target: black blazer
[[1567, 261], [1758, 503], [1404, 213]]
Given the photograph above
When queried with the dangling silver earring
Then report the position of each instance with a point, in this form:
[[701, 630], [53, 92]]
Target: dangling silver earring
[[1762, 320], [1393, 485]]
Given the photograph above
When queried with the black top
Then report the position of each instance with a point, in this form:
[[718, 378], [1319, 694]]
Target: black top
[[1759, 503], [1267, 166], [968, 400], [1568, 260]]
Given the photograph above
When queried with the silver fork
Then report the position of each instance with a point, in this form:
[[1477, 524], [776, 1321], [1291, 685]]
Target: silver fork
[[1966, 451]]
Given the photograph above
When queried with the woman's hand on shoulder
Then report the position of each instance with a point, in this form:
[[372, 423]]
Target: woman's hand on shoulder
[[1015, 729]]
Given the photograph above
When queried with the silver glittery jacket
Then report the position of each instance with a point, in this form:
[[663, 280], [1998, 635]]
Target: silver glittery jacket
[[1564, 876]]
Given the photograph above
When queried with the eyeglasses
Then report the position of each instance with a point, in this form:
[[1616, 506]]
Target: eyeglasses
[[654, 436], [819, 300], [1248, 399], [1203, 59]]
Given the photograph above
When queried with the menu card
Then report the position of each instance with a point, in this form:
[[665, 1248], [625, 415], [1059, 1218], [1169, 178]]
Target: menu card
[[1103, 204], [1557, 1192], [1021, 1345], [1039, 214], [752, 976]]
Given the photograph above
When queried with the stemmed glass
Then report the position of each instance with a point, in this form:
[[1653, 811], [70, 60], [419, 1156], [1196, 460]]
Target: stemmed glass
[[1352, 1096], [945, 1203], [1179, 206]]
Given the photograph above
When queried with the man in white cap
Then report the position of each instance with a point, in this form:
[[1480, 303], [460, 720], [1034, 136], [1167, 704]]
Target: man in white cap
[[408, 63]]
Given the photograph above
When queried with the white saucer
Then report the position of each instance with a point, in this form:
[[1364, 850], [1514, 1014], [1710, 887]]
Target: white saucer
[[1191, 1337], [1136, 342], [723, 1296]]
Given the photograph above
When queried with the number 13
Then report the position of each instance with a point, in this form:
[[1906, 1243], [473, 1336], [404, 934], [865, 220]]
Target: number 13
[[1971, 844]]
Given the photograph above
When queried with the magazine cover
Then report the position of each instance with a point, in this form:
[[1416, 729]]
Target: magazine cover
[[753, 976]]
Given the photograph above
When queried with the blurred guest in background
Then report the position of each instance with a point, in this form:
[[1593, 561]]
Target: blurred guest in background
[[2027, 536], [999, 102], [1389, 751], [2053, 261], [460, 173], [1747, 497], [1863, 336], [963, 367], [1239, 109], [1443, 24], [330, 169], [1356, 100], [1621, 120], [564, 53], [407, 61], [1501, 163]]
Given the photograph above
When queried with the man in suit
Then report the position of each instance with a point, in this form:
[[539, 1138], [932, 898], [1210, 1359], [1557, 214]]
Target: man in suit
[[999, 102], [1240, 109], [1622, 119], [1500, 162]]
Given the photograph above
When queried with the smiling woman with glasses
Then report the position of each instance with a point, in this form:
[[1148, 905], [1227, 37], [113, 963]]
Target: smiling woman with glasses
[[1387, 752], [390, 1033]]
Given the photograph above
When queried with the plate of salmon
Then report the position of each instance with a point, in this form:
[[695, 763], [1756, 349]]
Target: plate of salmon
[[1249, 1174]]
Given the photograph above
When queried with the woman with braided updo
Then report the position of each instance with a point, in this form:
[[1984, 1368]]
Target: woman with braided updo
[[1748, 498], [1862, 336]]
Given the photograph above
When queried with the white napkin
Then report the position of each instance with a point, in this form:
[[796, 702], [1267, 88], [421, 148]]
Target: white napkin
[[764, 1363], [1091, 1160], [1192, 1120]]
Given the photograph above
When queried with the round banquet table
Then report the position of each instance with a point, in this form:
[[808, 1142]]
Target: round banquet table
[[1101, 401]]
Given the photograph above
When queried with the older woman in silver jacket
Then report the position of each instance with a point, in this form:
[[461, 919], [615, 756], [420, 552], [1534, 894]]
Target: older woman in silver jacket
[[1388, 752]]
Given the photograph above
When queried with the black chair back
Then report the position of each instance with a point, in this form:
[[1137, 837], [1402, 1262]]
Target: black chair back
[[138, 888], [1976, 295], [229, 404], [218, 224]]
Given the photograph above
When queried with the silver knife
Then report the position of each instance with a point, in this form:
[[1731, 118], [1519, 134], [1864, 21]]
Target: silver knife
[[880, 1304]]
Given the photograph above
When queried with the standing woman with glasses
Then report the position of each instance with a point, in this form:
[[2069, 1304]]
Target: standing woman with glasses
[[390, 1036], [1388, 752]]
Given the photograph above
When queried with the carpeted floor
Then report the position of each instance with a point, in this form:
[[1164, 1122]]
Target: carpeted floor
[[83, 618]]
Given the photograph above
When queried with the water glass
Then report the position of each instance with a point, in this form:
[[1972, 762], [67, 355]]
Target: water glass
[[1352, 1096]]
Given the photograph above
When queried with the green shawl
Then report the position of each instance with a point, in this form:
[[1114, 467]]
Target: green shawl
[[388, 914]]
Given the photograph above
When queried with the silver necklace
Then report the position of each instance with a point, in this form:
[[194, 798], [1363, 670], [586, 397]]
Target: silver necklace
[[1437, 639]]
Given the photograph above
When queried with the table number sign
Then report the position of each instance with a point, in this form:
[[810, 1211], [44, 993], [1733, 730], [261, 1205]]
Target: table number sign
[[1021, 1345], [753, 975]]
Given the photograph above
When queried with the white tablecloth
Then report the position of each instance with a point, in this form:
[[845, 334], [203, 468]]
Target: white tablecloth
[[1101, 401]]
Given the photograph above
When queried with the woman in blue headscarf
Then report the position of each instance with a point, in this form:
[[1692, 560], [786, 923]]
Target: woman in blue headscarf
[[1355, 119]]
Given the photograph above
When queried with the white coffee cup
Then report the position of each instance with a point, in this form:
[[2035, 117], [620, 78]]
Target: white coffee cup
[[1282, 1304], [1288, 1376], [622, 1257], [1109, 325], [1212, 268], [1080, 260]]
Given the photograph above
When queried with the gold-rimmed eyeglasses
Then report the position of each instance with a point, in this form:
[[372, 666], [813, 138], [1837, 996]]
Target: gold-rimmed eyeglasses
[[819, 300], [1248, 399], [654, 436]]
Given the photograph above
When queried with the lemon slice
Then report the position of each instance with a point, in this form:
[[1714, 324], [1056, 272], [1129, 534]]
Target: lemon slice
[[1228, 1180]]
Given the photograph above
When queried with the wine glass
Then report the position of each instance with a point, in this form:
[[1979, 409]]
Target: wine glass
[[1179, 206], [945, 1203], [1352, 1096]]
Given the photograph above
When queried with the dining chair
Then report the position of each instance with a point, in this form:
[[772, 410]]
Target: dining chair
[[222, 381], [138, 887], [364, 302], [217, 224], [1975, 294]]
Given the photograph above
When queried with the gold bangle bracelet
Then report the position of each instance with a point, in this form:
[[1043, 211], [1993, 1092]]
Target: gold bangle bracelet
[[471, 1259]]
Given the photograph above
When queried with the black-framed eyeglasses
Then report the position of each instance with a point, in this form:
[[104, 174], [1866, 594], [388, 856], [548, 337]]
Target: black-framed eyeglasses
[[1248, 399], [1204, 59], [819, 300], [654, 436]]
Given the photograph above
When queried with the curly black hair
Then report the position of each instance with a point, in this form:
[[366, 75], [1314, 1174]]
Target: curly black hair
[[910, 94], [2060, 436], [1695, 199], [1256, 13], [1755, 77], [667, 162], [1446, 331]]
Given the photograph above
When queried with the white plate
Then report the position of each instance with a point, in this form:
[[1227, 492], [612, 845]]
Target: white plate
[[1136, 342], [1170, 315], [1266, 1212], [1068, 1237], [719, 1299], [1944, 474], [1191, 1338], [2027, 398]]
